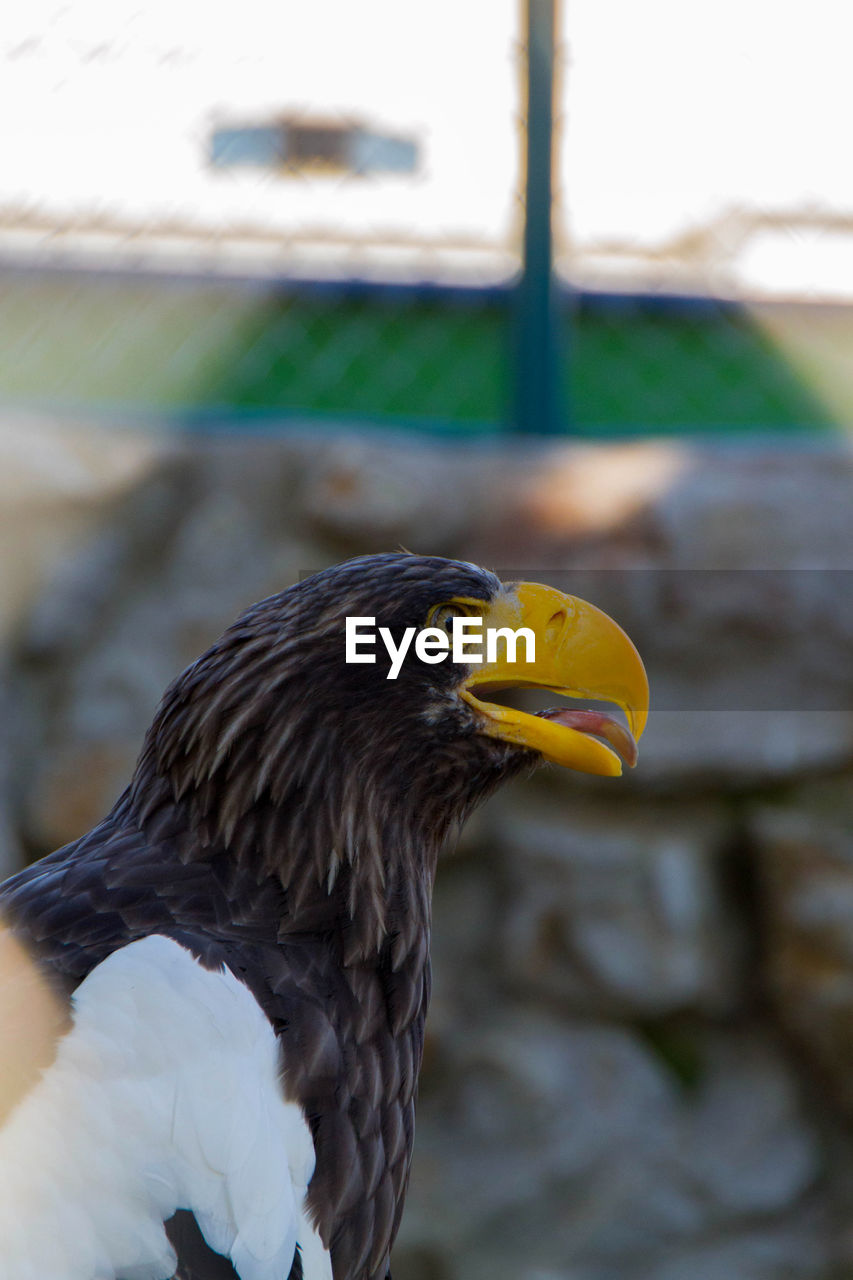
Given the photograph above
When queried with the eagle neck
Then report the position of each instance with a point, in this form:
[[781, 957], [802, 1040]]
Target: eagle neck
[[347, 864]]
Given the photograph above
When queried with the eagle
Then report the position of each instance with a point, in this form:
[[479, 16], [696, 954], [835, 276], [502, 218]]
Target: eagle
[[223, 985]]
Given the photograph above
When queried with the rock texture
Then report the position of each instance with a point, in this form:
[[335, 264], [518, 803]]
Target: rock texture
[[804, 845], [639, 1054], [628, 918]]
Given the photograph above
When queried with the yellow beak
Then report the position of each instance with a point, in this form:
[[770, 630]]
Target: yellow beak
[[579, 652]]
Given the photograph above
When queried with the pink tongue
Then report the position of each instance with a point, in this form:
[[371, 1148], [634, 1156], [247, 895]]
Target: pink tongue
[[600, 725]]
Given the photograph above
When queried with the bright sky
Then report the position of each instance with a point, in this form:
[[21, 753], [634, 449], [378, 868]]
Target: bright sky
[[673, 116], [678, 114], [675, 109]]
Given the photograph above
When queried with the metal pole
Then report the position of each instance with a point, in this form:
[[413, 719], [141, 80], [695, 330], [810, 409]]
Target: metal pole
[[538, 407]]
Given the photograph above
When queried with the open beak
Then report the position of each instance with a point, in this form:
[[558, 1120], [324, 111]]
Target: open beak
[[580, 653]]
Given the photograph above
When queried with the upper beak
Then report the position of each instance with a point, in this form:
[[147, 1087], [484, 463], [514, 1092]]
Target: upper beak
[[579, 652]]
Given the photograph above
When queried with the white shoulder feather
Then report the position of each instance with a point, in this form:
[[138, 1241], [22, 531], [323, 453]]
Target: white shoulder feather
[[164, 1094]]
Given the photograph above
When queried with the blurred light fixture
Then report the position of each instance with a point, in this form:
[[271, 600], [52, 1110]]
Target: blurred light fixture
[[291, 146]]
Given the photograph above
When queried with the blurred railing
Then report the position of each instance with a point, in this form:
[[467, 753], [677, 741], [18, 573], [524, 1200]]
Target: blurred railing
[[210, 225]]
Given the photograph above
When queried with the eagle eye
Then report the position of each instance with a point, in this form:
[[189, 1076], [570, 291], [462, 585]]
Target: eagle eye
[[443, 614]]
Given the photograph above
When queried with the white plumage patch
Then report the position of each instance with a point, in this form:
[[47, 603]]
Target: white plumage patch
[[165, 1094]]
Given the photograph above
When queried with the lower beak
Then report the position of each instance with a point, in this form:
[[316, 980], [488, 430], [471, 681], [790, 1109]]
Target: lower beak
[[579, 652]]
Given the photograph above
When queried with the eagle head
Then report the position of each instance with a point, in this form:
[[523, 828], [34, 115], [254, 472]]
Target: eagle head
[[348, 776]]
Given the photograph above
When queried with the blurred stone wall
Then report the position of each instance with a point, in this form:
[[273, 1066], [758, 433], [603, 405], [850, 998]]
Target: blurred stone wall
[[638, 1062]]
